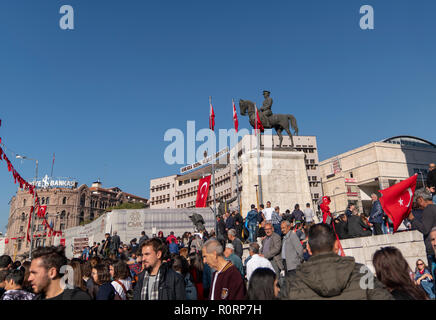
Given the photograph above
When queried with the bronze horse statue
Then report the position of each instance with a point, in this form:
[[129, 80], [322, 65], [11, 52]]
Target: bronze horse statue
[[279, 122]]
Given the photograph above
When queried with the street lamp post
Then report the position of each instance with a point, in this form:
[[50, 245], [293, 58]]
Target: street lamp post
[[34, 202]]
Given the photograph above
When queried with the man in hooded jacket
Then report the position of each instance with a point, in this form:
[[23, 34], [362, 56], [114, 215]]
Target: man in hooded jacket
[[328, 276]]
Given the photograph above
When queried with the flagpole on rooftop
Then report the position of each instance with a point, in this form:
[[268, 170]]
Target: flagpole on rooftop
[[213, 167]]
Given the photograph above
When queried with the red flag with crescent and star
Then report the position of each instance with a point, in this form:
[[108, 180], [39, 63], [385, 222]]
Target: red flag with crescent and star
[[202, 193], [235, 116], [211, 117], [397, 200], [258, 123]]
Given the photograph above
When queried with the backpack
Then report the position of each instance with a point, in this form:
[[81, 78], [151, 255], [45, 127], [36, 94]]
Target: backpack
[[190, 289]]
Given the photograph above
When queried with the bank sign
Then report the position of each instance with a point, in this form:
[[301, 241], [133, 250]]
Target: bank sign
[[48, 182], [204, 161]]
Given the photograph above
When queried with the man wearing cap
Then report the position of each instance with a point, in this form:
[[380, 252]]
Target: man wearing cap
[[233, 258], [267, 104]]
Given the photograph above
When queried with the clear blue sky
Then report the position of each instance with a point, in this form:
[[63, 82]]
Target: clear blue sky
[[96, 95]]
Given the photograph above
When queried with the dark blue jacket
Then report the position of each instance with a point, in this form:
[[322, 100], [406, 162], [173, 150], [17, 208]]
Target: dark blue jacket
[[376, 215], [230, 223]]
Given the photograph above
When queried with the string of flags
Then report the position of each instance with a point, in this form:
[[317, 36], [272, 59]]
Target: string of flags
[[41, 211]]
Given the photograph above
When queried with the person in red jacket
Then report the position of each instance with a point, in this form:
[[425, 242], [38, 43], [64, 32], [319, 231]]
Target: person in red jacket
[[171, 237], [227, 283], [326, 210]]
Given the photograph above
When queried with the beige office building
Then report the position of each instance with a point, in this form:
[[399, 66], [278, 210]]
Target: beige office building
[[180, 190], [352, 176]]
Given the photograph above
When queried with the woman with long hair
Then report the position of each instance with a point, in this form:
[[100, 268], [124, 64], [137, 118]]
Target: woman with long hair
[[102, 277], [263, 285], [394, 272], [25, 266], [91, 287], [424, 279], [122, 282], [77, 278], [181, 266], [196, 268]]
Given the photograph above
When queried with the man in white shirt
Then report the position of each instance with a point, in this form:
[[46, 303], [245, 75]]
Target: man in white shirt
[[308, 213], [256, 261], [268, 211]]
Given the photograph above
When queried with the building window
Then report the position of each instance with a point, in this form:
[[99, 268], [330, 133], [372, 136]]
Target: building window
[[64, 200], [47, 200], [316, 195], [81, 216], [82, 200], [62, 227], [23, 217], [42, 200], [63, 214], [21, 228], [24, 202], [19, 245]]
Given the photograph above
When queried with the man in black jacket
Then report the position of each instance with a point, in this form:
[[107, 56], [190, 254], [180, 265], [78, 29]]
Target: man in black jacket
[[115, 243], [341, 226], [424, 200], [356, 227], [158, 281], [431, 180]]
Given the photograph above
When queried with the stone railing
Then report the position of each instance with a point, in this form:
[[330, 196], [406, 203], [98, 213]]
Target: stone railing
[[410, 243]]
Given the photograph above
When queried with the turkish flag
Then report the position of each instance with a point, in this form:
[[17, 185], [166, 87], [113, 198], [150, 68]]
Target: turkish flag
[[397, 200], [258, 123], [235, 117], [203, 191], [6, 241], [62, 242], [41, 211], [211, 118]]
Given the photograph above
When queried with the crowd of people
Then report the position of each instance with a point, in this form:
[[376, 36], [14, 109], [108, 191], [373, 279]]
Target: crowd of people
[[290, 257]]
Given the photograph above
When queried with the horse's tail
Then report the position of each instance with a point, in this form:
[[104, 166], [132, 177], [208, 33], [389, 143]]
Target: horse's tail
[[293, 123]]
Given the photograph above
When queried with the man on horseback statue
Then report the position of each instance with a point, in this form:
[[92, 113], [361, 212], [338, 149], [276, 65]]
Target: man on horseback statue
[[279, 122]]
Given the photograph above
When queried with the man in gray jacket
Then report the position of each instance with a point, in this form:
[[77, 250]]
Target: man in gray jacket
[[292, 250], [272, 247]]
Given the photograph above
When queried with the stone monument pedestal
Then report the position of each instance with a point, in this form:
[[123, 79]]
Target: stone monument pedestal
[[283, 176]]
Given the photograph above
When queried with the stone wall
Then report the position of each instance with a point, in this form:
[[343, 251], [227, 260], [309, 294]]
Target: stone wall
[[283, 177], [410, 243]]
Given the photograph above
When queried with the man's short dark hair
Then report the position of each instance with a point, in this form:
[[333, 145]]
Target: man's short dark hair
[[5, 261], [51, 257], [3, 274], [262, 206], [143, 233], [253, 206], [157, 246], [17, 276], [321, 238], [307, 204]]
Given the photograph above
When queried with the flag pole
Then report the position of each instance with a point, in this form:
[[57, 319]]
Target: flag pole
[[52, 165], [237, 170], [213, 171], [258, 157]]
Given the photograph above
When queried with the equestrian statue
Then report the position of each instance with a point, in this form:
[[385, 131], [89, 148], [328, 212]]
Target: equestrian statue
[[269, 120]]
